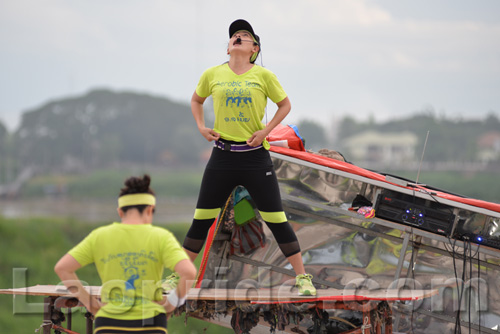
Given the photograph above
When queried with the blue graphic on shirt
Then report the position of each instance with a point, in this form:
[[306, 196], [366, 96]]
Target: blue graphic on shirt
[[131, 274], [238, 95], [237, 100], [134, 265]]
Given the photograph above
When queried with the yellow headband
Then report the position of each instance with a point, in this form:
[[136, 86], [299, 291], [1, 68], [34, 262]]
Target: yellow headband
[[136, 199]]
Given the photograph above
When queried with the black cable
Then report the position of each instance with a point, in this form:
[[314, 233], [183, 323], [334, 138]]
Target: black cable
[[477, 252], [479, 288], [467, 253], [435, 199], [413, 181], [452, 251], [470, 287], [467, 248], [458, 328], [456, 280], [413, 278], [464, 274], [460, 289]]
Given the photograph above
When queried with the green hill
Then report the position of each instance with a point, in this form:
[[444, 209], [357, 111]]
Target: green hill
[[107, 128]]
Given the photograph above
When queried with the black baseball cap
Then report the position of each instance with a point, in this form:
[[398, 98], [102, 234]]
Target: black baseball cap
[[242, 25]]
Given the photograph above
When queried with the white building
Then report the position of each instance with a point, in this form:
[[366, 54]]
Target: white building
[[489, 147], [394, 148]]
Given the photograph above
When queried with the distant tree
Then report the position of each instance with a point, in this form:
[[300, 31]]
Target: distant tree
[[3, 152], [3, 137], [103, 128], [492, 122], [313, 134], [449, 139], [349, 126], [7, 163]]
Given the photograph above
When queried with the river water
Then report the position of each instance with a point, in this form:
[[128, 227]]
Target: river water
[[168, 210]]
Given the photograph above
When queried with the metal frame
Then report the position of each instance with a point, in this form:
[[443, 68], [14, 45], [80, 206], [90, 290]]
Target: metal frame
[[411, 237], [418, 192]]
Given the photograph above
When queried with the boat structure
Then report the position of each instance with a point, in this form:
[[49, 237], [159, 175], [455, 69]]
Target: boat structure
[[386, 254]]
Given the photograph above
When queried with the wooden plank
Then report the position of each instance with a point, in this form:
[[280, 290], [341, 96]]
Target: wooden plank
[[47, 290], [278, 294], [288, 293]]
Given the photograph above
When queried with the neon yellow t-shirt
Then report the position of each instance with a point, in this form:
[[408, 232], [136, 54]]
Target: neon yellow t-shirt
[[239, 100], [130, 260]]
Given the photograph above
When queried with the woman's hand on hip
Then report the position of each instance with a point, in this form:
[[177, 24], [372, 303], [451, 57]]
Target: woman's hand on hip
[[95, 306], [209, 134], [257, 138]]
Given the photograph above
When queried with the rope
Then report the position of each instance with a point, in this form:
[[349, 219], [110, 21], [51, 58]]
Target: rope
[[62, 329], [44, 323], [344, 321], [365, 325]]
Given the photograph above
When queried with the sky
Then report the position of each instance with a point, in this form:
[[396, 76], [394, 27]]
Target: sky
[[381, 59]]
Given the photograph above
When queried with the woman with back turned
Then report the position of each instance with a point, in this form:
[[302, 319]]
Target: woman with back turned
[[130, 257]]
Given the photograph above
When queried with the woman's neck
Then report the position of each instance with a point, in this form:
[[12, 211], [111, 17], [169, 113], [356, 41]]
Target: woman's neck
[[133, 217], [134, 222], [239, 65]]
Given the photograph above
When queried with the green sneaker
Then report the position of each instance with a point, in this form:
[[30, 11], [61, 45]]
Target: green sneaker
[[304, 283], [170, 282]]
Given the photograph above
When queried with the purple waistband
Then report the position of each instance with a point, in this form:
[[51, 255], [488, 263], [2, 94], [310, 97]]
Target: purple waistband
[[235, 147]]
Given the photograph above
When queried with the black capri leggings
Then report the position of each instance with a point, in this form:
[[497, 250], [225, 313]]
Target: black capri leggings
[[219, 180]]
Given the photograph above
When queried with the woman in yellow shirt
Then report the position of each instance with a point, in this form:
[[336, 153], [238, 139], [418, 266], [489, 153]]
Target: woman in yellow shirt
[[130, 257], [240, 156]]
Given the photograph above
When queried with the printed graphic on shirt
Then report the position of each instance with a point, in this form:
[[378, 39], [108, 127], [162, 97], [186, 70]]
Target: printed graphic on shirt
[[238, 97], [134, 288], [133, 265], [131, 275]]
